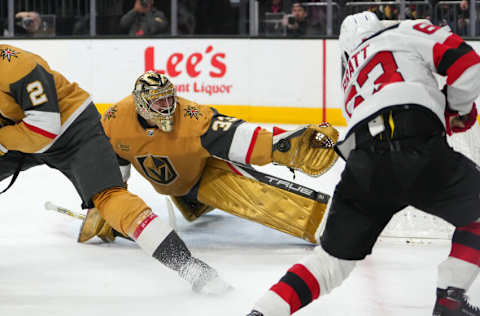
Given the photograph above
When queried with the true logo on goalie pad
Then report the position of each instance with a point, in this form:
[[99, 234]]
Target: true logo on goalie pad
[[158, 169]]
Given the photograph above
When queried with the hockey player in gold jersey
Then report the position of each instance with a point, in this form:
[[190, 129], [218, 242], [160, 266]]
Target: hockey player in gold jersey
[[200, 159], [45, 119]]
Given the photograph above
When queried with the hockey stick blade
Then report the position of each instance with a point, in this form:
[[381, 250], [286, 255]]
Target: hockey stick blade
[[52, 207]]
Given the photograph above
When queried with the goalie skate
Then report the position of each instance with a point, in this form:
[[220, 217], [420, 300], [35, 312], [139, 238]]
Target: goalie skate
[[204, 279]]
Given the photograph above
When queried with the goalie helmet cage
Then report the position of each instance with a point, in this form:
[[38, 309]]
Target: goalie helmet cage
[[413, 225]]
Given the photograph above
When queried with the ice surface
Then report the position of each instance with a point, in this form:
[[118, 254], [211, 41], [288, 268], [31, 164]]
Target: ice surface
[[44, 271]]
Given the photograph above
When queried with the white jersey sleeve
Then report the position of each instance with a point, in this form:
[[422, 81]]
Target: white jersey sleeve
[[447, 54], [397, 65]]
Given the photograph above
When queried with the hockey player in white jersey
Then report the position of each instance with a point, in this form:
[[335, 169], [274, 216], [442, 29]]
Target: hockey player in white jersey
[[397, 155]]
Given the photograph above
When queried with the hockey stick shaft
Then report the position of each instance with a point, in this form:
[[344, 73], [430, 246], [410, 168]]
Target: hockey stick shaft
[[52, 207], [281, 183]]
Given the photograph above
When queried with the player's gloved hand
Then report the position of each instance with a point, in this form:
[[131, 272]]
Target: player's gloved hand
[[449, 116], [456, 123], [94, 225], [467, 120], [308, 149]]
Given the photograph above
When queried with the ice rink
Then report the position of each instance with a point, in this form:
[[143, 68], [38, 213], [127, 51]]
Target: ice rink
[[44, 271]]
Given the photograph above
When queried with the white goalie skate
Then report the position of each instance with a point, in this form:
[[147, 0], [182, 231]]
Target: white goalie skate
[[204, 279]]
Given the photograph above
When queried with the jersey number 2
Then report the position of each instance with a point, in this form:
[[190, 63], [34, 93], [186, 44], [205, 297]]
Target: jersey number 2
[[388, 74], [36, 92]]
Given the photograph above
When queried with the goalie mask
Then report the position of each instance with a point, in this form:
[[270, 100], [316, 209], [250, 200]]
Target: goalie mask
[[355, 29], [155, 99]]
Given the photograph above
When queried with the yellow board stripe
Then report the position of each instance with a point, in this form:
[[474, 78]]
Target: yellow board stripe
[[273, 114]]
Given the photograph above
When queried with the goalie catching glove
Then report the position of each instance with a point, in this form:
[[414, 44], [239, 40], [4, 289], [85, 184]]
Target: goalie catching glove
[[308, 149]]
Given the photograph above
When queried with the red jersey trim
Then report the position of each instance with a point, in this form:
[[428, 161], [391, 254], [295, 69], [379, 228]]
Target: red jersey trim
[[40, 131]]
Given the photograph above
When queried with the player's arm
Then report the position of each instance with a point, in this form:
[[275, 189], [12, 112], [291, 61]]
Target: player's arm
[[450, 56], [309, 148], [36, 95], [157, 22], [236, 140]]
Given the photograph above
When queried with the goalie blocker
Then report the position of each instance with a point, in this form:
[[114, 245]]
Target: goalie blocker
[[242, 191]]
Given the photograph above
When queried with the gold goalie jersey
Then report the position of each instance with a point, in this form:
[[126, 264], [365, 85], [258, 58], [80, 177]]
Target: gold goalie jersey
[[173, 162], [204, 148], [37, 103]]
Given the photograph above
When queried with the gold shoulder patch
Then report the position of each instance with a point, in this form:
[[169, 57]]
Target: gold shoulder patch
[[8, 54], [192, 112], [110, 113]]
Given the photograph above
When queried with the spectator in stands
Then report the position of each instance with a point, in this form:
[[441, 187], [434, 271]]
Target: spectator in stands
[[271, 13], [186, 16], [298, 23], [317, 15], [273, 6], [27, 23], [386, 11], [463, 18], [144, 19]]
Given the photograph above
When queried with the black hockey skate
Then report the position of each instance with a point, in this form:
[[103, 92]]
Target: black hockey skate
[[453, 302], [255, 313]]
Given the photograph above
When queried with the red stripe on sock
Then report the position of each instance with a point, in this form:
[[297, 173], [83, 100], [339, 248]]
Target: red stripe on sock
[[465, 253], [473, 228], [288, 294], [308, 278], [143, 224]]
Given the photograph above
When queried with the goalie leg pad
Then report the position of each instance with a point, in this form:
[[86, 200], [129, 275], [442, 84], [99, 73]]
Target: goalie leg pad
[[285, 211], [308, 149], [191, 210]]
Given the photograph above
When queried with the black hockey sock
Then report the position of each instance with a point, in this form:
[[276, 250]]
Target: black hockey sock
[[173, 252]]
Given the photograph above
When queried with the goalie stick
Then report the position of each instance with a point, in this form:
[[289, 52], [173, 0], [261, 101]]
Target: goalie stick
[[52, 207], [240, 169], [250, 172]]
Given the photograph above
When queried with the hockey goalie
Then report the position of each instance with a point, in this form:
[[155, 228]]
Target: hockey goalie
[[201, 158]]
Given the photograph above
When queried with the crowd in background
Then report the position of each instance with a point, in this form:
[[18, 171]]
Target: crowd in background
[[285, 18], [125, 17]]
